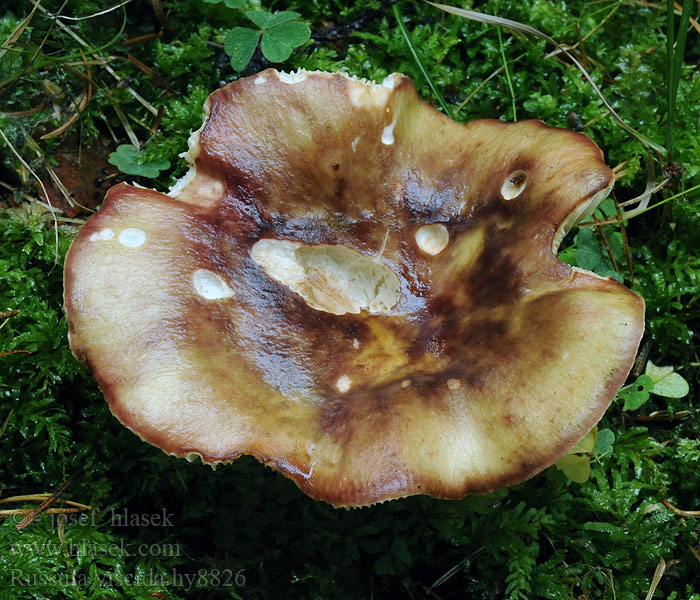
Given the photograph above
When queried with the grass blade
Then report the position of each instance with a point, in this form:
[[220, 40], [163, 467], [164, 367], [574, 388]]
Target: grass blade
[[507, 70], [404, 32]]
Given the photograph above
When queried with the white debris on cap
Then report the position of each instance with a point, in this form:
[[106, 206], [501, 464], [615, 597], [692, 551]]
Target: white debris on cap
[[432, 239], [343, 384], [388, 133], [103, 234], [132, 237], [210, 285]]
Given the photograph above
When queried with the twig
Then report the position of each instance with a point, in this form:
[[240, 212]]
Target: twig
[[15, 352], [658, 574], [693, 22], [606, 243], [159, 80], [160, 14], [682, 513], [662, 415], [41, 498], [34, 513], [15, 512], [142, 38]]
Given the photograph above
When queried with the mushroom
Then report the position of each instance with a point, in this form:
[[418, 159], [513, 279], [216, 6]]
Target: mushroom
[[356, 290]]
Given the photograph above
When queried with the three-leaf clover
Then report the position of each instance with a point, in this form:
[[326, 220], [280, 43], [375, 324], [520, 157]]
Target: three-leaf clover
[[637, 393], [132, 162], [281, 33], [667, 383], [661, 381], [576, 463]]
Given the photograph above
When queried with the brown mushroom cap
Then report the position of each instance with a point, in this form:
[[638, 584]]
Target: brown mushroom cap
[[243, 313]]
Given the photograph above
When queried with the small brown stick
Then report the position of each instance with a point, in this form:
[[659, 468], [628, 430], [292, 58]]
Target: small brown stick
[[142, 38], [658, 574], [49, 511], [26, 113], [693, 22], [158, 119], [35, 512], [41, 498], [7, 315], [642, 356], [608, 248], [662, 415], [682, 513], [160, 14], [159, 80], [15, 352]]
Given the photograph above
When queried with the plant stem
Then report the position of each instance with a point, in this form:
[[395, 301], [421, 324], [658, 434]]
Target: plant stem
[[507, 70], [404, 31]]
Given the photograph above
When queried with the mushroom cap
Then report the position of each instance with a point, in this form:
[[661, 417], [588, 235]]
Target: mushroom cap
[[218, 322]]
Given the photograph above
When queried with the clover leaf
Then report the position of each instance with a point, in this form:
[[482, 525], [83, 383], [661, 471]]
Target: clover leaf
[[229, 3], [660, 381], [604, 442], [281, 33], [132, 162], [636, 393], [667, 383], [576, 463], [575, 467]]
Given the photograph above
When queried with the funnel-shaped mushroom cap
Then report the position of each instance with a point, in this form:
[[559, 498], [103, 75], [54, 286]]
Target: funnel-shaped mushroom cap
[[358, 291]]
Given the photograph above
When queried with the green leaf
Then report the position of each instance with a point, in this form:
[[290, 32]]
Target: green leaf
[[132, 162], [294, 33], [667, 383], [279, 42], [399, 548], [229, 3], [240, 44], [384, 565], [585, 445], [575, 467], [637, 393], [604, 443], [588, 255], [265, 19]]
